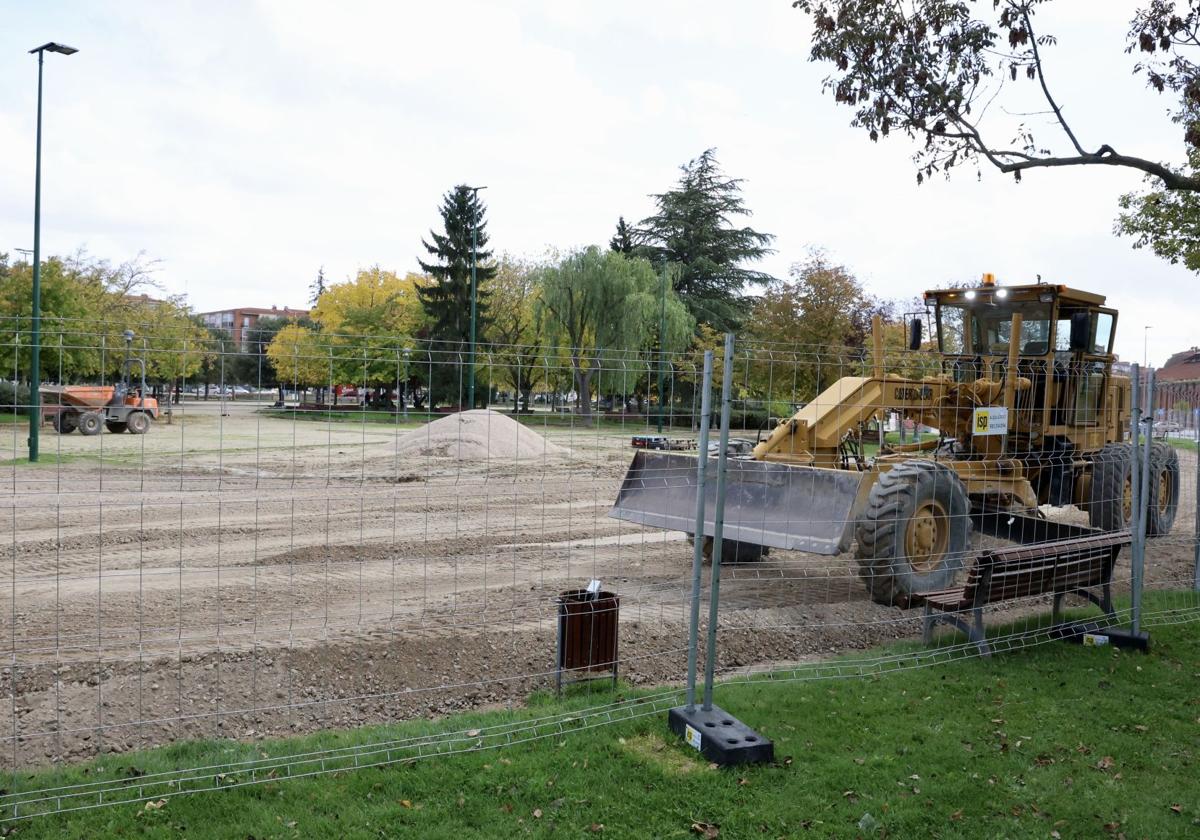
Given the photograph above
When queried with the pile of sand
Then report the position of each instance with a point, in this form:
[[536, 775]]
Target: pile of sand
[[475, 436]]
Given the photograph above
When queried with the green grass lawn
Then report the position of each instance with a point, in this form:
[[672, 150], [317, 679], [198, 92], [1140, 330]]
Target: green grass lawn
[[1053, 741]]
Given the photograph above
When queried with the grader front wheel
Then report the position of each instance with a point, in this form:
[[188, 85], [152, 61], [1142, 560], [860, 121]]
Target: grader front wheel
[[915, 532]]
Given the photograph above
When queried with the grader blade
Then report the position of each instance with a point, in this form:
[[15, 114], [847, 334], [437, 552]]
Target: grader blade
[[777, 505]]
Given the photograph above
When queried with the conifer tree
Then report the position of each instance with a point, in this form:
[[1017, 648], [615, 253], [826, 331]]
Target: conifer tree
[[622, 241], [695, 228], [447, 300], [318, 287]]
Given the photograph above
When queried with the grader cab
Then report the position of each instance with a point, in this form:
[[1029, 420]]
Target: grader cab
[[1027, 412]]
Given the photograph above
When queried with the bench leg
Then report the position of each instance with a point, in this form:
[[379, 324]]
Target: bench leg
[[1106, 601], [976, 635], [927, 626]]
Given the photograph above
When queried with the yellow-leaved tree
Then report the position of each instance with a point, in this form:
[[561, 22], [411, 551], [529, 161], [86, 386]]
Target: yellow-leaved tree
[[300, 357], [368, 323]]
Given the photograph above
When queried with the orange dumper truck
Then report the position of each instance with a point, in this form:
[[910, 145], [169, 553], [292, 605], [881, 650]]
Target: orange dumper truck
[[92, 408]]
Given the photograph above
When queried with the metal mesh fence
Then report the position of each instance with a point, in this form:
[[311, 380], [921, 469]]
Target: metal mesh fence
[[323, 536], [1173, 513]]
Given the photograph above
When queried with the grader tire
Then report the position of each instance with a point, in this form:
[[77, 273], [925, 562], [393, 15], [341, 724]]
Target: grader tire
[[733, 551], [915, 532], [114, 426], [1164, 489], [64, 422], [1111, 504]]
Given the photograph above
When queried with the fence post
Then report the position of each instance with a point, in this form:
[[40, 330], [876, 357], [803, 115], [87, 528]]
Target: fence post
[[698, 543], [718, 735], [1196, 524], [1142, 495], [714, 586], [1136, 546]]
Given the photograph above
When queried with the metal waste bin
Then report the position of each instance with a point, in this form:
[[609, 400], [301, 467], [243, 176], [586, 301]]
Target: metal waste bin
[[587, 636]]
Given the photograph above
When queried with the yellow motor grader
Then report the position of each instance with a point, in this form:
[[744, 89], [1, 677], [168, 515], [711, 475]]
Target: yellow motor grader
[[1027, 412]]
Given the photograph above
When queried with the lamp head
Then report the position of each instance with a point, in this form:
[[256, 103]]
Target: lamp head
[[55, 48]]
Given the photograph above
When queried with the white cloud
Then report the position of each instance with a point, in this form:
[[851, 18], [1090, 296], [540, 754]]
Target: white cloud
[[246, 145]]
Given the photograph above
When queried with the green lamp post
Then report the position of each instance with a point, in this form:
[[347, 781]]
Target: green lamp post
[[35, 356]]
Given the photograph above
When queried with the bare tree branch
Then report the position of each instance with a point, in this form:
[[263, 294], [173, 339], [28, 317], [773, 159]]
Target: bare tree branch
[[1037, 64]]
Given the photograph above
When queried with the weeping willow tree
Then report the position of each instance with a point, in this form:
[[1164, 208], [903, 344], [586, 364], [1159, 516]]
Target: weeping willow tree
[[606, 308]]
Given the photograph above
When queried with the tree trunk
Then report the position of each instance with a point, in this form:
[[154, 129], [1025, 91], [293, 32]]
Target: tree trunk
[[583, 391]]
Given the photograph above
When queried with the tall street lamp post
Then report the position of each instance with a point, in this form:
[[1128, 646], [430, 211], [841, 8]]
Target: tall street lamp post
[[35, 356], [474, 291]]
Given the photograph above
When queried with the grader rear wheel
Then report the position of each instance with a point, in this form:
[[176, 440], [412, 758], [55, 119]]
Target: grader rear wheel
[[915, 532], [1164, 489]]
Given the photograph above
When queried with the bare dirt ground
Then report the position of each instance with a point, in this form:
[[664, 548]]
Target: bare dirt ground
[[238, 575]]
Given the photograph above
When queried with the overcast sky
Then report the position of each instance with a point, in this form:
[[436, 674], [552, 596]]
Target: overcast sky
[[247, 144]]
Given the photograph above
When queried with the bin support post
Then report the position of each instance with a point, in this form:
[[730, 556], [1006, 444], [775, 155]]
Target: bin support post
[[698, 543]]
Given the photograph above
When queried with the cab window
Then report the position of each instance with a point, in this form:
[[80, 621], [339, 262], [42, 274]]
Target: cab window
[[1101, 331], [1102, 334], [990, 327]]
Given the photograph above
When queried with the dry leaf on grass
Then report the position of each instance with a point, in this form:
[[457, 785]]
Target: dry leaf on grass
[[706, 830]]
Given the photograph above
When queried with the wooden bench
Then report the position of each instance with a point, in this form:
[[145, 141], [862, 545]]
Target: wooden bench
[[1074, 566]]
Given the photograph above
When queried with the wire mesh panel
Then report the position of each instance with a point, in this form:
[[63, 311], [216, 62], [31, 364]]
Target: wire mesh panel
[[1173, 524], [311, 536], [324, 533]]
